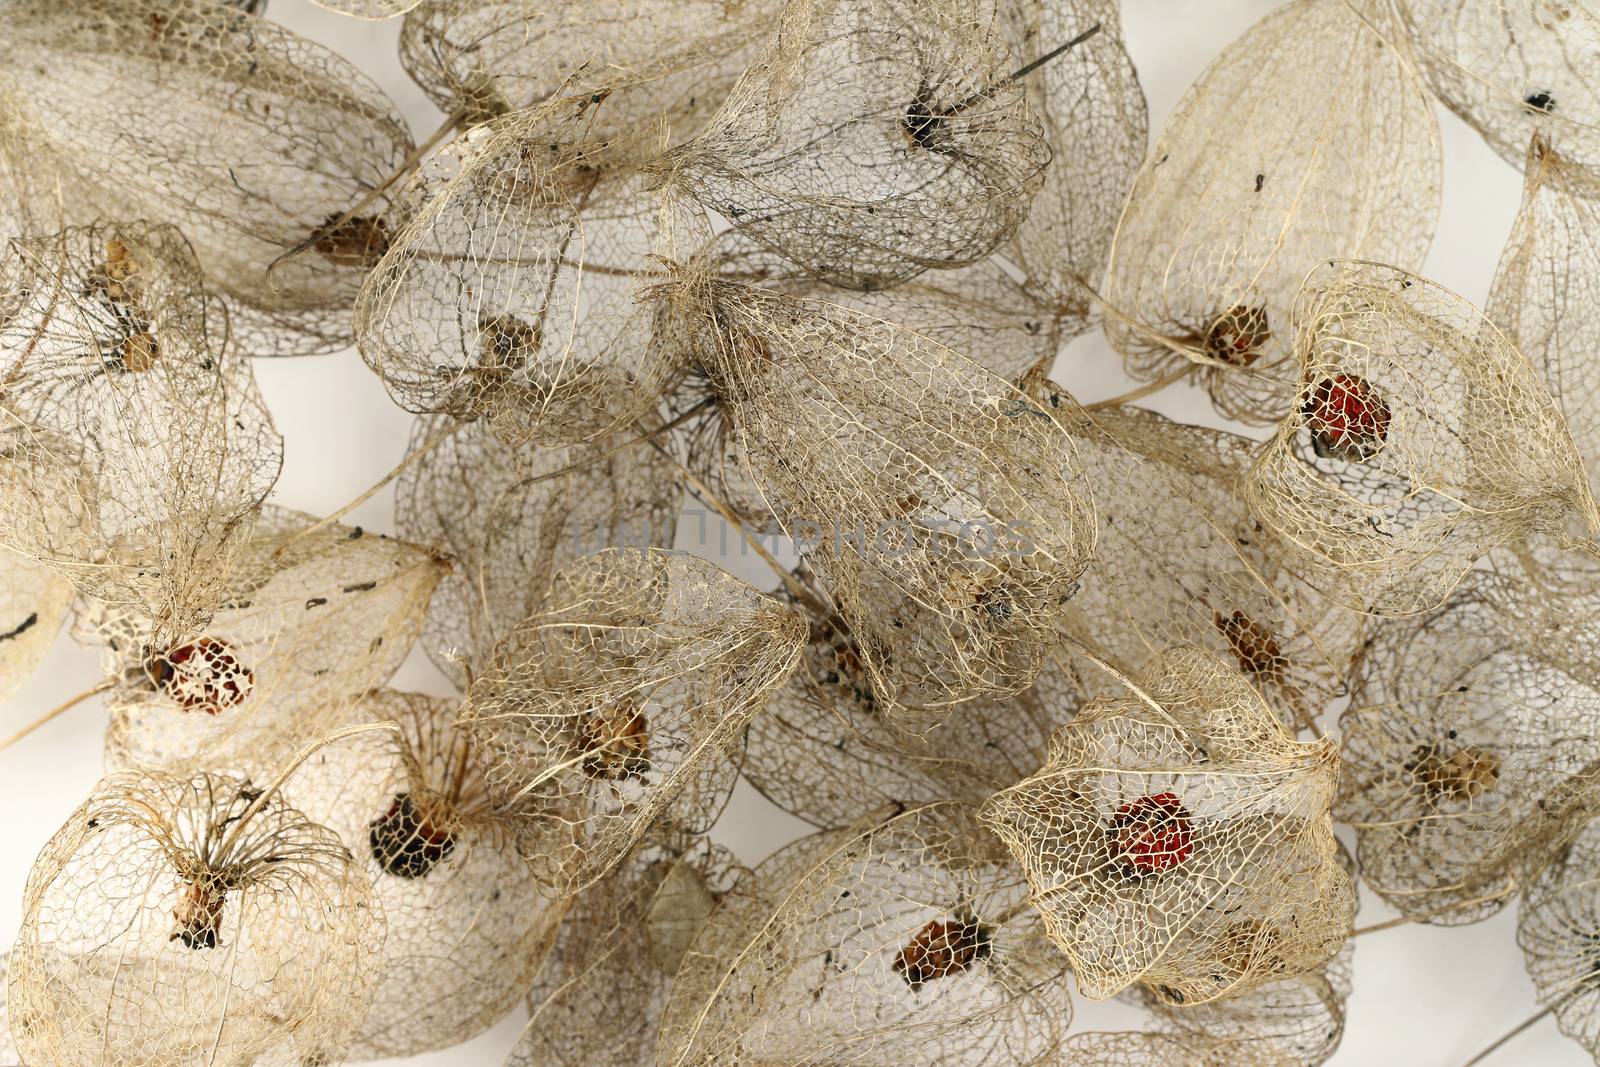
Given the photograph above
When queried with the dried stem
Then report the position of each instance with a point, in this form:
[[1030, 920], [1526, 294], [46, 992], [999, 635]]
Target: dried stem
[[1509, 1034], [53, 713]]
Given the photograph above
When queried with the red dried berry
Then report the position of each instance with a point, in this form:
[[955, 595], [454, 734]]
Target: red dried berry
[[203, 675], [1349, 419], [943, 948], [405, 843], [1151, 834]]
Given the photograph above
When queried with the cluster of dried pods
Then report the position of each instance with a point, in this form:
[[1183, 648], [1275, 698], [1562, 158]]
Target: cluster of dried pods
[[1050, 681]]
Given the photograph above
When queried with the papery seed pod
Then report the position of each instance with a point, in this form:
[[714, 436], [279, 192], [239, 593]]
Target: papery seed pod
[[905, 942], [1558, 928], [8, 1048], [1182, 838], [253, 140], [826, 751], [185, 921], [1178, 560], [136, 448], [1542, 293], [1470, 754], [1512, 70], [1309, 138], [648, 59], [34, 601], [1097, 126], [598, 1002], [624, 699], [510, 293], [309, 623], [508, 518], [872, 140], [469, 923], [944, 513], [1421, 439]]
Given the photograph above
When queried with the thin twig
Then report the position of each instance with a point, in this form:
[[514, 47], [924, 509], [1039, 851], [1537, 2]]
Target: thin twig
[[1172, 377], [58, 710], [608, 453], [1509, 1034]]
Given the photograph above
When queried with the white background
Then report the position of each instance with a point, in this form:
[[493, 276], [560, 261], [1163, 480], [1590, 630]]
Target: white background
[[1424, 997]]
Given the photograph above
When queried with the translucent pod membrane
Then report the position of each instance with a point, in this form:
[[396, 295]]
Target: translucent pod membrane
[[1558, 927], [1512, 70], [180, 920], [1545, 287], [1179, 560], [872, 140], [34, 601], [510, 516], [826, 750], [945, 514], [1420, 440], [624, 700], [375, 10], [906, 941], [1095, 121], [598, 1001], [1469, 748], [1299, 1020], [254, 141], [1181, 837], [470, 922], [511, 289], [137, 448], [673, 60], [1307, 139], [309, 623]]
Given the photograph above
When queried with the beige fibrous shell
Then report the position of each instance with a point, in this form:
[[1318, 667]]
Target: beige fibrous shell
[[624, 700], [910, 941], [945, 514], [598, 1002], [1097, 125], [34, 601], [649, 59], [509, 517], [251, 139], [872, 140], [1181, 837], [311, 622], [375, 10], [190, 920], [469, 922], [510, 292], [1558, 927], [1421, 439], [1513, 70], [137, 448], [1469, 753], [826, 751], [1545, 287], [1308, 139]]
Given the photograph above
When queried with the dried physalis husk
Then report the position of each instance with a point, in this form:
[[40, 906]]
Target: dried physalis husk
[[624, 699], [1513, 70], [598, 1002], [1294, 1022], [1558, 927], [34, 600], [872, 140], [908, 942], [192, 920], [511, 291], [469, 922], [310, 621], [1182, 837], [253, 140], [374, 10], [135, 450], [944, 512], [648, 59], [1546, 285], [1178, 560], [1471, 754], [1307, 139], [1420, 440], [1097, 126], [9, 1056], [509, 516], [826, 752]]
